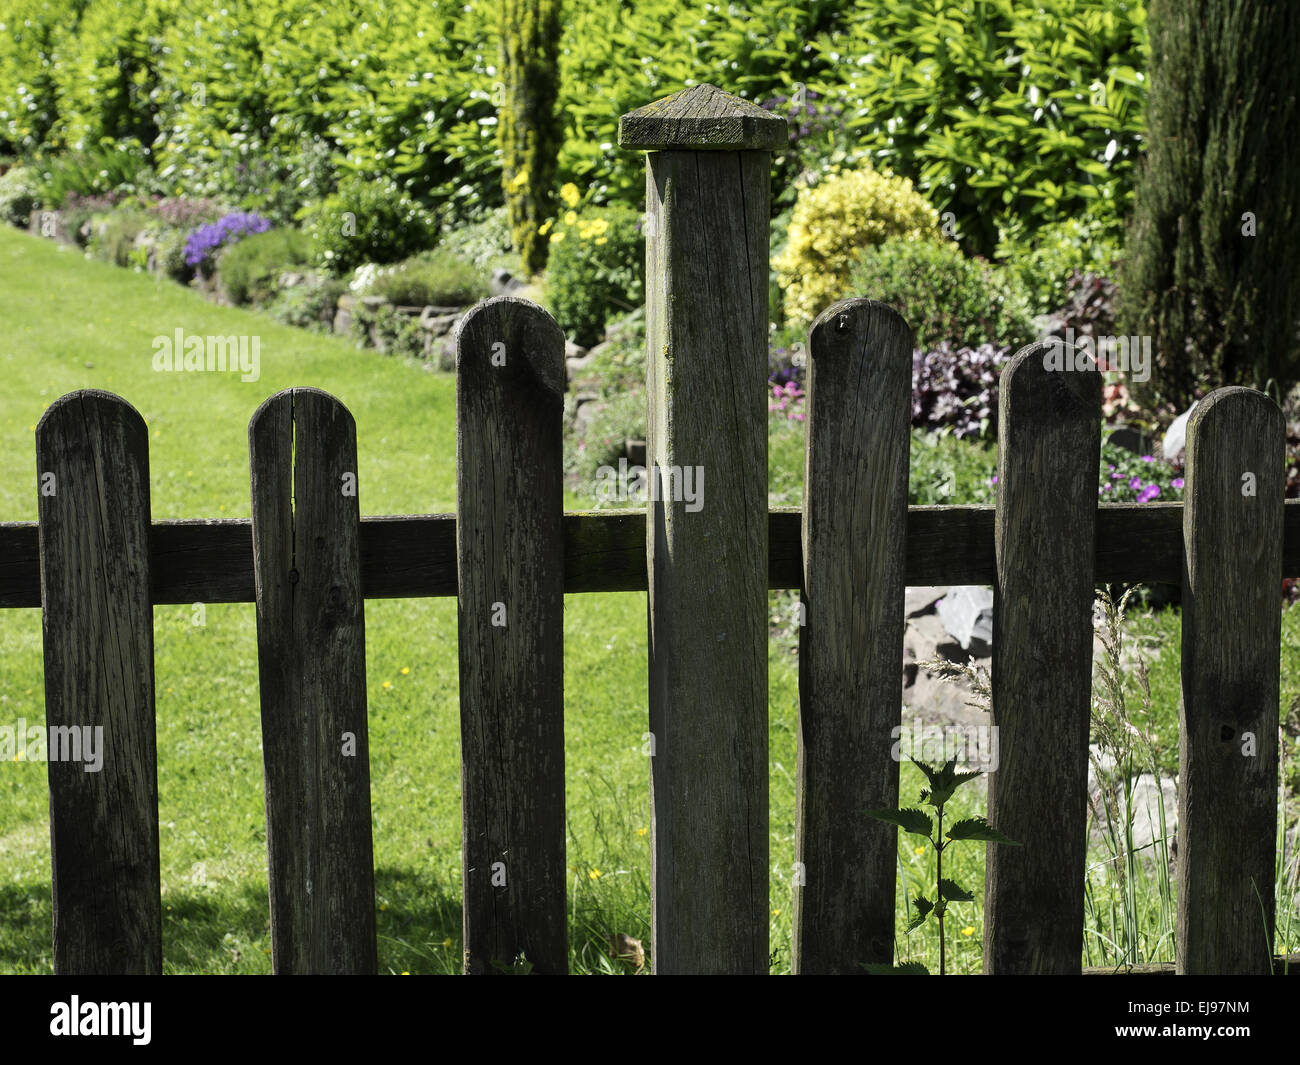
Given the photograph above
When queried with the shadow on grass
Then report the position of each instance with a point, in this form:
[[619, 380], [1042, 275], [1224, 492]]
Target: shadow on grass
[[228, 931]]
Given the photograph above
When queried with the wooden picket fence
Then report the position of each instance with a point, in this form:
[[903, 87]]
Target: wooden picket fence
[[96, 564]]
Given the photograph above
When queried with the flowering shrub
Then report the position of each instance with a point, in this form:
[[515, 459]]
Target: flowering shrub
[[1129, 478], [788, 401], [957, 388], [832, 221], [184, 212], [207, 240], [596, 266]]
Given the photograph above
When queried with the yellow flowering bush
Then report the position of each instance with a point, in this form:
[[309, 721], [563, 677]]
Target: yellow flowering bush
[[832, 222], [596, 266]]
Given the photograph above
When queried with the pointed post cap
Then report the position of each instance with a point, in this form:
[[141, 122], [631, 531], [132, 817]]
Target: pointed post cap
[[702, 118]]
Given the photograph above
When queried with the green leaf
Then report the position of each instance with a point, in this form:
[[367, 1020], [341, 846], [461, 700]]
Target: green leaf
[[954, 892], [923, 908], [916, 822], [979, 829]]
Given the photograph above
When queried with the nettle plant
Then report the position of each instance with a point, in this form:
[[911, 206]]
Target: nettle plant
[[943, 782]]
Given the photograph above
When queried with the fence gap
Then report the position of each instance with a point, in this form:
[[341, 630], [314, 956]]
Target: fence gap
[[510, 381], [1049, 445], [312, 675], [92, 462], [854, 528], [706, 532], [1232, 633]]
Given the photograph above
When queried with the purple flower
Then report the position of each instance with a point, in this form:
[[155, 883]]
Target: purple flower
[[1148, 493], [1135, 483], [1148, 458], [207, 240], [1177, 482]]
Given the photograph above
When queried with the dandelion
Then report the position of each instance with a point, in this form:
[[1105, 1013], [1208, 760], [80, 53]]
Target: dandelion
[[918, 850], [388, 684], [969, 930], [642, 831], [405, 670], [595, 874], [776, 913]]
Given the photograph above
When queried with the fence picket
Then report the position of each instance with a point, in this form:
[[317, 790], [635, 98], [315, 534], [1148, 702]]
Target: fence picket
[[510, 556], [92, 460], [1228, 757], [1049, 442], [312, 673], [854, 524]]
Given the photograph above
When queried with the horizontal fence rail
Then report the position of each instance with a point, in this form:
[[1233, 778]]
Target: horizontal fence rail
[[413, 556]]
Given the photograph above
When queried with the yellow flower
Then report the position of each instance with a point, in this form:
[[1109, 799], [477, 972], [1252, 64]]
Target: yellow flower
[[405, 670], [601, 240], [969, 930], [569, 194], [557, 236], [519, 181], [918, 850], [447, 942], [600, 225], [388, 684], [595, 874], [570, 218], [545, 227], [776, 913], [642, 831], [405, 973]]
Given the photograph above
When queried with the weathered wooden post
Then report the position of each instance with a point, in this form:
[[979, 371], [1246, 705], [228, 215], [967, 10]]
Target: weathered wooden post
[[707, 198]]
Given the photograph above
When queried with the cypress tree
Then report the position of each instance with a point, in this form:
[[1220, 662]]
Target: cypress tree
[[1210, 273], [529, 128]]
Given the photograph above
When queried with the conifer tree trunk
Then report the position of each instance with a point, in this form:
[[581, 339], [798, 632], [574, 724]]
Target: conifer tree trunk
[[529, 127], [1211, 273]]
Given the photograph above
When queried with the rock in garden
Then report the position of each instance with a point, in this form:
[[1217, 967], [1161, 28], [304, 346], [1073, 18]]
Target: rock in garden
[[504, 282], [1176, 435], [967, 614], [920, 601]]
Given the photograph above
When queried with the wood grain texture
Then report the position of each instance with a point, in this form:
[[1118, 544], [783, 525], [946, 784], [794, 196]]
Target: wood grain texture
[[1049, 443], [413, 556], [312, 674], [702, 118], [510, 551], [92, 461], [851, 642], [1228, 757], [706, 374]]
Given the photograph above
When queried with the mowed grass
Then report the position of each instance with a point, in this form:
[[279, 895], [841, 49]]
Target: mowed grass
[[72, 323]]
